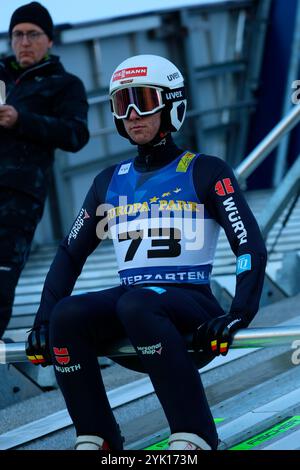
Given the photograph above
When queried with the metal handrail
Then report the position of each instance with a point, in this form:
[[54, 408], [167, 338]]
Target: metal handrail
[[244, 338], [265, 147], [280, 199]]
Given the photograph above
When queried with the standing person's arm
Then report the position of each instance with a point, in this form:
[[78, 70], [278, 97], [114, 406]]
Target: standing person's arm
[[66, 126], [226, 203]]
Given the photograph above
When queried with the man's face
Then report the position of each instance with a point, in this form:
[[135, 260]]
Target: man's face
[[29, 50], [142, 129]]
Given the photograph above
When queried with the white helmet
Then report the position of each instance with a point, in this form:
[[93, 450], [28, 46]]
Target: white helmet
[[148, 83]]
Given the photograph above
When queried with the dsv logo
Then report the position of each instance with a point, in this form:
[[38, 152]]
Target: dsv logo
[[296, 353]]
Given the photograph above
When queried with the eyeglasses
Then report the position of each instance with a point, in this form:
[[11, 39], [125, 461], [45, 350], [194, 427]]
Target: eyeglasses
[[145, 100], [32, 36]]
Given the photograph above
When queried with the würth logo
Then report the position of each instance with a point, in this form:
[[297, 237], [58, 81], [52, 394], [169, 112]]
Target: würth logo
[[62, 355], [130, 72]]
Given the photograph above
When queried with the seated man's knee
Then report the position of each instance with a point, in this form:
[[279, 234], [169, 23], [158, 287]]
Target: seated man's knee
[[66, 315], [133, 308], [126, 306]]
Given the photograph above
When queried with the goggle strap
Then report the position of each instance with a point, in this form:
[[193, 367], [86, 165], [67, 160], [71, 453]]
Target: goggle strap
[[170, 96]]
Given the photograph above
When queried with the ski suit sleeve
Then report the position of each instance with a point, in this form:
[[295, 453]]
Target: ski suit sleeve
[[73, 251], [225, 201]]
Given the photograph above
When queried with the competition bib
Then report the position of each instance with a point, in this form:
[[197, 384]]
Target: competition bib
[[160, 230]]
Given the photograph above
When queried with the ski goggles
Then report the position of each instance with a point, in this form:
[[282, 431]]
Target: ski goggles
[[145, 100]]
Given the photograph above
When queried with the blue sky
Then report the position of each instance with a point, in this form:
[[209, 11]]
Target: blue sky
[[75, 11]]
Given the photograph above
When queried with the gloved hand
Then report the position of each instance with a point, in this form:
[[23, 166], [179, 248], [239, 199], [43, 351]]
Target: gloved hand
[[37, 345], [216, 335]]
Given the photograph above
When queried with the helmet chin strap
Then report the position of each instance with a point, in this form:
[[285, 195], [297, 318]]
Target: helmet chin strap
[[155, 141], [158, 139], [156, 145]]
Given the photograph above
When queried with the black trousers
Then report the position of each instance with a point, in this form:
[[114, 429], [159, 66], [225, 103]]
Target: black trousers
[[155, 320], [19, 216]]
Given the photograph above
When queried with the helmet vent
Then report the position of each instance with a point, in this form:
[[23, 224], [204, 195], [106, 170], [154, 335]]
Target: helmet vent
[[180, 112]]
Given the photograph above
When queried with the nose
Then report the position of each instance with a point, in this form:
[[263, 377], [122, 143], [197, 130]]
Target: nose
[[25, 39], [133, 114]]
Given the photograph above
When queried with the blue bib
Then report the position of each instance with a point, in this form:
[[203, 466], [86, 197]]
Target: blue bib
[[160, 230]]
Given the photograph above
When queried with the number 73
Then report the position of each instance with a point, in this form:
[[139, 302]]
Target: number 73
[[172, 247]]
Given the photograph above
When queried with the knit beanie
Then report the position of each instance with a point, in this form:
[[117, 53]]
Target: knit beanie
[[34, 13]]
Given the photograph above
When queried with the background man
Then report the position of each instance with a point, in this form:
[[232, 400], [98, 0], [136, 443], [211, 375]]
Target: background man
[[46, 108]]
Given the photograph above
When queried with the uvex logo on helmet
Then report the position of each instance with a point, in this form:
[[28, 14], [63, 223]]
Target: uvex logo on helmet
[[62, 355], [174, 95], [130, 72], [173, 76]]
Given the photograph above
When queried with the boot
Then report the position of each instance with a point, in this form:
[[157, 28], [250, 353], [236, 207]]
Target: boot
[[187, 441], [90, 443]]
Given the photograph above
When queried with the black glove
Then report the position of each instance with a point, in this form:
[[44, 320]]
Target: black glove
[[37, 345], [216, 335]]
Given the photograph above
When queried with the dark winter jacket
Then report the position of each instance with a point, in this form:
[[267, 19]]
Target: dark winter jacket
[[52, 109]]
